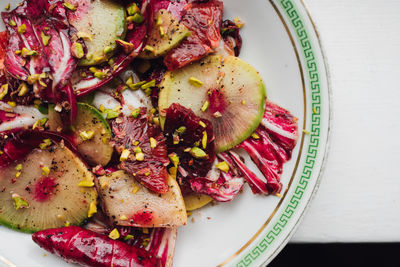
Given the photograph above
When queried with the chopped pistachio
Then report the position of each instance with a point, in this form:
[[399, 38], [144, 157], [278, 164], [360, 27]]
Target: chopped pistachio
[[135, 189], [26, 52], [196, 82], [45, 39], [137, 149], [134, 86], [175, 139], [148, 48], [18, 52], [243, 102], [67, 223], [77, 50], [43, 75], [174, 159], [181, 130], [18, 167], [305, 131], [132, 9], [159, 21], [86, 135], [12, 23], [238, 22], [114, 234], [147, 173], [202, 124], [45, 170], [45, 144], [153, 142], [3, 91], [150, 84], [19, 202], [126, 46], [123, 218], [255, 136], [223, 166], [205, 106], [148, 91], [12, 103], [92, 209], [162, 32], [93, 70], [125, 155], [39, 123], [204, 140], [86, 183], [23, 89], [8, 6], [138, 18], [18, 174], [84, 35], [156, 121], [139, 156], [135, 113], [128, 237], [108, 49], [22, 29], [33, 78], [198, 153], [111, 114], [69, 6], [314, 110]]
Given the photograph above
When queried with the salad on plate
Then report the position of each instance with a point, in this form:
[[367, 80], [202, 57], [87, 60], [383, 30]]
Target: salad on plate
[[119, 118]]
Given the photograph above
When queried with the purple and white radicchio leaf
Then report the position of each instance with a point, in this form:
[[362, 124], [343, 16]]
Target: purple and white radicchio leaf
[[221, 186], [269, 148]]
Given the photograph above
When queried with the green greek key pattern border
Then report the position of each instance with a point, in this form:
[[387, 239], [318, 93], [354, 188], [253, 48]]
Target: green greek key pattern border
[[314, 138]]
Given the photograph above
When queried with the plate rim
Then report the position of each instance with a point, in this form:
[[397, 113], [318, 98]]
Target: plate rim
[[325, 63], [245, 258]]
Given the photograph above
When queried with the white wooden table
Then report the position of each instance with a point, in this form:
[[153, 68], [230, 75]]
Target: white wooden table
[[359, 196]]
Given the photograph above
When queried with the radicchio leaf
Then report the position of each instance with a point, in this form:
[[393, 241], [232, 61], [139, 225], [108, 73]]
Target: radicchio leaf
[[270, 148], [222, 186]]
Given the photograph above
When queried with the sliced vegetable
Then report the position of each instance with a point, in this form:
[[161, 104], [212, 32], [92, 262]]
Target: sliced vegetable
[[84, 247], [128, 203], [45, 192], [196, 201], [228, 82], [91, 133], [166, 34], [101, 22]]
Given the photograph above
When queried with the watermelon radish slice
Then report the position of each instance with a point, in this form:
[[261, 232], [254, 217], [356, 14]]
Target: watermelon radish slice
[[141, 207], [233, 90], [41, 191], [91, 133], [103, 21]]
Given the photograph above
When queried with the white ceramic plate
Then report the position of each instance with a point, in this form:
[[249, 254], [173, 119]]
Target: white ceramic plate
[[281, 42]]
